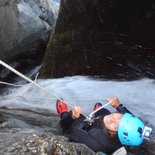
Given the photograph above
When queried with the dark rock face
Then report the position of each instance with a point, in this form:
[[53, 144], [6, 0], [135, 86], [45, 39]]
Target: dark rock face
[[106, 38]]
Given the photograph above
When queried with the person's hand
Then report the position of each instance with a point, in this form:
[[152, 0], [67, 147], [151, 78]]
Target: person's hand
[[76, 111], [114, 102]]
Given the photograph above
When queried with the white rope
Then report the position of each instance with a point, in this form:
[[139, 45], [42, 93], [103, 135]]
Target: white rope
[[36, 77], [15, 85], [29, 80], [86, 99], [10, 84], [43, 89], [82, 99], [52, 98], [34, 83]]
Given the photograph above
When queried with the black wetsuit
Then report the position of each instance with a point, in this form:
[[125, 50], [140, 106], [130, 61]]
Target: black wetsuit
[[94, 136]]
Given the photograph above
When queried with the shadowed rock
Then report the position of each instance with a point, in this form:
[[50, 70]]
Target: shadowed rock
[[25, 28], [113, 39]]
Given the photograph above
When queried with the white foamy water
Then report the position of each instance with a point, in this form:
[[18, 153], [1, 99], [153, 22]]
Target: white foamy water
[[138, 96]]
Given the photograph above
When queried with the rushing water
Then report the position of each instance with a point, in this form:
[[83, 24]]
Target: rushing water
[[138, 96]]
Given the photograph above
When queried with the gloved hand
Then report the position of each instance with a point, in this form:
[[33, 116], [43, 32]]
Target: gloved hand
[[114, 102], [76, 111]]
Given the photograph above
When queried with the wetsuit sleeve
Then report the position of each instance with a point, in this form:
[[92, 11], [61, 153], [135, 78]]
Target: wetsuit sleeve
[[66, 120], [122, 109]]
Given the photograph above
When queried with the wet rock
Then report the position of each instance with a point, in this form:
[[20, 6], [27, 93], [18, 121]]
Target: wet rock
[[112, 39], [25, 28], [29, 133]]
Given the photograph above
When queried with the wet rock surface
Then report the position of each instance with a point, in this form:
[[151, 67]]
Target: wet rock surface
[[25, 28], [29, 133]]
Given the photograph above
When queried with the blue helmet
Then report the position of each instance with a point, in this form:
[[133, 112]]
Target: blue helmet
[[130, 130]]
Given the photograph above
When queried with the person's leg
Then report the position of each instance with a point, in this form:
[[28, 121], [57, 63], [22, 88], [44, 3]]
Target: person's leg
[[66, 120], [65, 115], [61, 107], [97, 105]]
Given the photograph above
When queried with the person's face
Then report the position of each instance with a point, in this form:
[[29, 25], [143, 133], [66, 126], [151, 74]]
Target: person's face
[[111, 121]]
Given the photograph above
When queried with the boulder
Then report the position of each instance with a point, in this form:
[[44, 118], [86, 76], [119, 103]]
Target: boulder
[[25, 27], [113, 39]]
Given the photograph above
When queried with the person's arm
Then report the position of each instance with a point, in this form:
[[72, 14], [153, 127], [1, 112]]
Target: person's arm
[[68, 117], [66, 120], [119, 107]]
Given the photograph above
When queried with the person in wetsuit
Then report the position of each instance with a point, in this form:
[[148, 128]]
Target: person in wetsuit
[[102, 134]]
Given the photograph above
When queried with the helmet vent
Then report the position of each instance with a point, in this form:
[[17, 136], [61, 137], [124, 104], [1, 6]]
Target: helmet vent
[[125, 133], [140, 130]]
